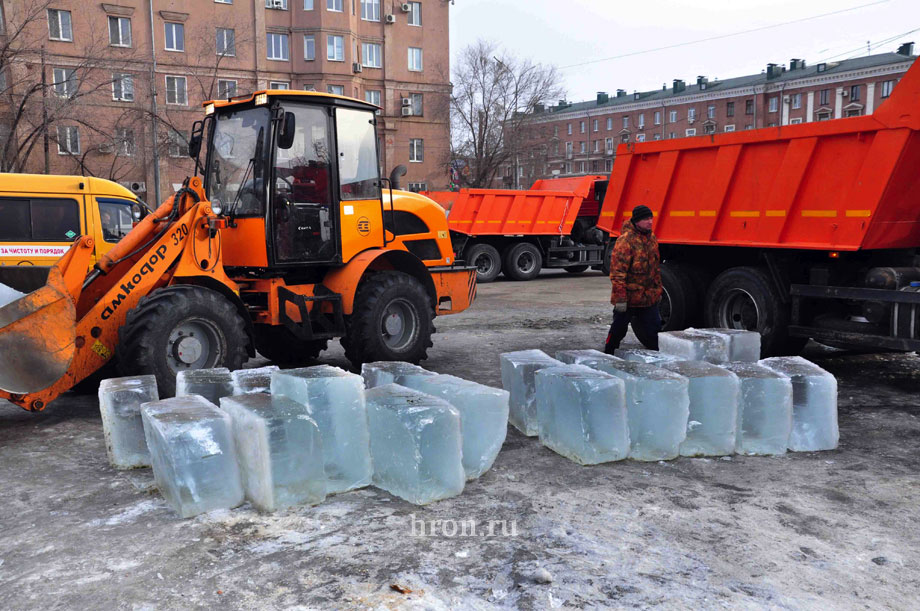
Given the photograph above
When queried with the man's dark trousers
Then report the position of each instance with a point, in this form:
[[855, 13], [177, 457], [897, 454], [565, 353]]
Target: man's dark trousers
[[646, 323]]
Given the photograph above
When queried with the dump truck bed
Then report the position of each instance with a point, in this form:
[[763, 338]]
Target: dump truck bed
[[848, 184]]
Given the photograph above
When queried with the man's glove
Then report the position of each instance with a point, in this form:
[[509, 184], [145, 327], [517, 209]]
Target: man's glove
[[620, 308]]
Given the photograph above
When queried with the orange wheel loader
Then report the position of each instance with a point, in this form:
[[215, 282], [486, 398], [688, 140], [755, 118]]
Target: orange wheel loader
[[288, 238]]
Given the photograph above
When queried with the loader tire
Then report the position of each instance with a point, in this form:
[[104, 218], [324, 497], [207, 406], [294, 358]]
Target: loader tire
[[178, 328], [391, 320], [279, 345], [487, 261]]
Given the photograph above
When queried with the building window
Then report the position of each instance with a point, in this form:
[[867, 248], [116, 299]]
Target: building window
[[123, 87], [624, 138], [65, 82], [730, 109], [657, 117], [282, 85], [691, 114], [672, 116], [370, 10], [711, 112], [608, 145], [730, 128], [555, 131], [641, 120], [774, 104], [709, 129], [178, 144], [749, 107], [60, 27], [371, 55], [416, 187], [416, 150], [68, 140], [176, 91], [584, 148], [175, 37], [795, 121], [887, 86], [584, 168], [276, 4], [226, 89], [568, 150], [224, 1], [277, 46], [796, 101], [824, 116], [594, 125], [855, 112], [124, 142], [119, 31], [581, 126], [854, 93], [335, 48], [415, 13], [569, 128], [309, 87], [825, 97], [626, 122], [226, 42], [609, 123], [597, 146], [672, 135], [308, 5], [608, 165], [309, 47], [334, 5], [640, 137], [417, 100], [568, 168], [372, 96], [691, 132], [336, 89], [415, 59]]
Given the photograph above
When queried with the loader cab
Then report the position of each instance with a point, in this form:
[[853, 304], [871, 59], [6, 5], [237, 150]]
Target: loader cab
[[297, 174]]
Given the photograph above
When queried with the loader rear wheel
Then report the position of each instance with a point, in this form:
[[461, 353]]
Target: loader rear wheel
[[487, 261], [178, 328], [523, 261], [392, 320], [279, 345]]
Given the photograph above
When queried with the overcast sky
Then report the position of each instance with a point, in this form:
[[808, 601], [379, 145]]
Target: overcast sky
[[569, 33]]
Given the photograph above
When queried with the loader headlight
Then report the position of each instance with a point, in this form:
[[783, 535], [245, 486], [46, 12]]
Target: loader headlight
[[217, 206], [137, 212]]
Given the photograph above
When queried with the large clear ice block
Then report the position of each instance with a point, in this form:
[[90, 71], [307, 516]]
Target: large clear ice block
[[714, 394], [279, 449], [252, 380], [392, 372], [814, 403], [416, 444], [483, 417], [335, 400], [579, 357], [742, 345], [644, 355], [582, 414], [765, 410], [120, 401], [657, 408], [692, 345], [193, 454], [518, 369], [212, 384]]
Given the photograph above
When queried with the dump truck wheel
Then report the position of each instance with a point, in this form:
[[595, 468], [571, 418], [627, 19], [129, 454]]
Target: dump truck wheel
[[523, 261], [608, 253], [681, 299], [743, 298], [576, 269], [487, 261], [181, 327], [392, 320], [281, 347]]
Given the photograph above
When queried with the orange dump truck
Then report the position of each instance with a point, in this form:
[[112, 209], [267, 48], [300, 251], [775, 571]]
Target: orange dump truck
[[520, 232], [800, 231]]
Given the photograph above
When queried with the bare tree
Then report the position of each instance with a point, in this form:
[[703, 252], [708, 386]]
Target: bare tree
[[494, 96]]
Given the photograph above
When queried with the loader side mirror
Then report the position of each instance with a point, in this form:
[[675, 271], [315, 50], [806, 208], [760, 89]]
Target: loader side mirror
[[194, 145], [286, 137]]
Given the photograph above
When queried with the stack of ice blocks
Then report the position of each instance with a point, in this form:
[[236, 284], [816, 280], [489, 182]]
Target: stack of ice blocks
[[483, 417], [334, 398], [742, 345], [581, 414], [212, 384], [415, 444], [252, 380], [814, 404], [120, 401], [657, 408], [693, 345], [765, 410], [193, 454], [518, 370], [643, 355], [392, 372], [279, 451], [713, 419]]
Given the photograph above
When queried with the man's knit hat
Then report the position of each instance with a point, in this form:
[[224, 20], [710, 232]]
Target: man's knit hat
[[641, 212]]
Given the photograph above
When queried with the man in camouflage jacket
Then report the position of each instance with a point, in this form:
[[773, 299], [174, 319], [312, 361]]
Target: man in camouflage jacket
[[635, 276]]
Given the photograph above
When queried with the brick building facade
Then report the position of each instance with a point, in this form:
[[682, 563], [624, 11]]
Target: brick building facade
[[581, 138], [116, 102]]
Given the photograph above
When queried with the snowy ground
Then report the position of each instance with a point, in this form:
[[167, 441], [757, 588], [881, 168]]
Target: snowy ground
[[824, 530]]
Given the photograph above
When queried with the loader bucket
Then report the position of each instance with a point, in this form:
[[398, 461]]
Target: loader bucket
[[37, 336]]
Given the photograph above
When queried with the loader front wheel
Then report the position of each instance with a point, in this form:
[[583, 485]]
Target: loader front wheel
[[178, 328], [391, 321]]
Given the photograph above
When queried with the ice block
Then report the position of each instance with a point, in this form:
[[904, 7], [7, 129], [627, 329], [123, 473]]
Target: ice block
[[765, 410], [518, 369], [483, 417], [279, 450], [193, 454], [252, 380], [335, 400], [581, 413], [120, 401], [391, 372], [415, 443], [212, 384], [692, 345], [814, 404], [742, 345], [643, 355], [714, 394]]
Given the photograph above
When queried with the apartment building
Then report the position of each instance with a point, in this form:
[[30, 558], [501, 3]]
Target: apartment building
[[581, 138], [126, 79]]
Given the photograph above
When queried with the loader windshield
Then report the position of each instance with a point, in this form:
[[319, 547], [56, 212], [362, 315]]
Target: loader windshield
[[236, 161]]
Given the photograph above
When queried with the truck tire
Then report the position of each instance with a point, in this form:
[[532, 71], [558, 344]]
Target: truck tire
[[281, 347], [680, 299], [523, 261], [487, 261], [178, 328], [743, 298], [391, 321], [576, 269], [608, 253]]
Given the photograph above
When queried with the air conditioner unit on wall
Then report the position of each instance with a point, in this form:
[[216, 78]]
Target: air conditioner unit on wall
[[278, 3], [406, 102], [356, 67], [407, 111], [390, 19], [135, 186], [405, 7]]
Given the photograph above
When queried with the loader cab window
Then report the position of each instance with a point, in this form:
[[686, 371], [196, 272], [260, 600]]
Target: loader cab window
[[302, 213], [236, 162], [357, 150], [116, 219]]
